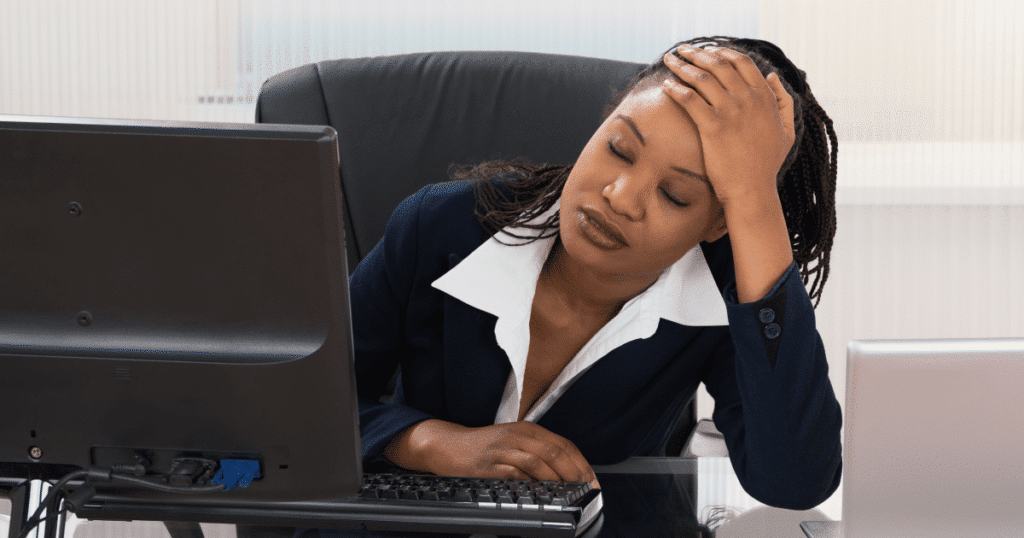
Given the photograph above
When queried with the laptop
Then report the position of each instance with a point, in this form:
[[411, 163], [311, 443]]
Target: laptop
[[934, 440]]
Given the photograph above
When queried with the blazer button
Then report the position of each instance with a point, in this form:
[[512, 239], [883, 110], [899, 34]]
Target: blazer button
[[766, 315], [772, 331]]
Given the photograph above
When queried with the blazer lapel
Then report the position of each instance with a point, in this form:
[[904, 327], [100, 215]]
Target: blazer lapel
[[476, 368]]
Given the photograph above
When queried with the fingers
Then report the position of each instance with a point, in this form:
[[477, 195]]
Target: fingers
[[785, 104], [513, 451], [718, 74], [690, 100], [744, 67], [698, 77], [557, 453], [531, 451], [520, 464]]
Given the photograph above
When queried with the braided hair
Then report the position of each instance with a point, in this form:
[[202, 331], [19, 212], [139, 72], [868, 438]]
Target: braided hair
[[806, 180]]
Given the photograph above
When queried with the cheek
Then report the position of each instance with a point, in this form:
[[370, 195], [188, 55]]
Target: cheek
[[590, 168], [675, 234]]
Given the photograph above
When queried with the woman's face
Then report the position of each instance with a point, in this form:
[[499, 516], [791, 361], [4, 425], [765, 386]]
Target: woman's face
[[638, 198]]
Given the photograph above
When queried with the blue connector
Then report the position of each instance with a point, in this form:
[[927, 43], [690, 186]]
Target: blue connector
[[236, 473]]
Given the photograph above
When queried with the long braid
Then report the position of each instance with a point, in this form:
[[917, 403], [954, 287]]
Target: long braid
[[811, 213]]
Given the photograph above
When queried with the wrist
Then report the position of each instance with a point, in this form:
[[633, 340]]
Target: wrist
[[754, 210], [753, 194], [762, 251], [416, 447]]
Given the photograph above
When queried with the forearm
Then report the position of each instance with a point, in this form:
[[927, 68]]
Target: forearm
[[780, 418], [760, 243]]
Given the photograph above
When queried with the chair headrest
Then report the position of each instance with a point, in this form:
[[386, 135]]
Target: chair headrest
[[403, 120]]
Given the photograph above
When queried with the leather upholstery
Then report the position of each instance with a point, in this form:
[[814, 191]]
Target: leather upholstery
[[403, 120]]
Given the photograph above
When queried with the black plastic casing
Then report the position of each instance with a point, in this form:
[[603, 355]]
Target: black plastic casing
[[173, 289]]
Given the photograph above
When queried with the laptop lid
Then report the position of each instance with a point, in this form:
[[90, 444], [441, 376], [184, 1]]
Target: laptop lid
[[934, 438]]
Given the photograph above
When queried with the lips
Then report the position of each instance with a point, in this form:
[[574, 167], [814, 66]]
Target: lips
[[600, 230]]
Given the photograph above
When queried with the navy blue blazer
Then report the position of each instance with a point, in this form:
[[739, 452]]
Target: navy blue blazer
[[766, 371]]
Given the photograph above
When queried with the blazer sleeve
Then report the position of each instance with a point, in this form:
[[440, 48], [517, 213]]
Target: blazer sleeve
[[774, 403], [379, 291]]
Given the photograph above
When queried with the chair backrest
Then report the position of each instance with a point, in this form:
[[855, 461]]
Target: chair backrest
[[403, 120]]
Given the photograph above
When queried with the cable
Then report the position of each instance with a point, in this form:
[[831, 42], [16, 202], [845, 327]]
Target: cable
[[165, 487], [104, 475], [33, 521]]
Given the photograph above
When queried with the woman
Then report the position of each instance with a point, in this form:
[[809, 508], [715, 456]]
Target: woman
[[550, 318]]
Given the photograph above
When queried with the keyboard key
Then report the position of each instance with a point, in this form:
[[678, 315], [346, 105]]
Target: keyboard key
[[507, 497], [431, 496], [411, 494], [484, 495], [369, 493]]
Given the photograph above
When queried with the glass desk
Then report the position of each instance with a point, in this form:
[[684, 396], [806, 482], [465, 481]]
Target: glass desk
[[709, 502], [648, 497]]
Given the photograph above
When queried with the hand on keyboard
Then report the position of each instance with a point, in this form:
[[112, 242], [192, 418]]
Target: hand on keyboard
[[516, 450]]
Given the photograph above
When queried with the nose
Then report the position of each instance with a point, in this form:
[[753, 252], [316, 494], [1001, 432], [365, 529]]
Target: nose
[[625, 197]]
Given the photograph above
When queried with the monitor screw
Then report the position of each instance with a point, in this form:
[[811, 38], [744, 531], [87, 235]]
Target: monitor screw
[[75, 209], [35, 452], [84, 318]]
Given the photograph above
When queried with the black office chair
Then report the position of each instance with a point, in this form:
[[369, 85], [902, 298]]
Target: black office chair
[[403, 120]]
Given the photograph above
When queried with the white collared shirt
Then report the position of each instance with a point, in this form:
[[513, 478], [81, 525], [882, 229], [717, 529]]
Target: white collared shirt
[[501, 279]]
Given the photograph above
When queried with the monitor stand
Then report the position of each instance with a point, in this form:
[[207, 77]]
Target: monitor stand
[[25, 499]]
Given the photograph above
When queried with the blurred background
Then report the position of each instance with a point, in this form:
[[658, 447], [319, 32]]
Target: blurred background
[[927, 98]]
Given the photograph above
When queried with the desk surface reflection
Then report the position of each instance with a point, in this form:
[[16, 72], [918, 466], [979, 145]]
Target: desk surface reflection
[[643, 497]]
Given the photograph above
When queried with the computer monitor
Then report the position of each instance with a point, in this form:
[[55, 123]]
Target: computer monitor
[[175, 292]]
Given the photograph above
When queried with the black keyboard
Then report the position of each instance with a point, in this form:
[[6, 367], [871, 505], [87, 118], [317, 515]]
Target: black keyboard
[[480, 490], [461, 504]]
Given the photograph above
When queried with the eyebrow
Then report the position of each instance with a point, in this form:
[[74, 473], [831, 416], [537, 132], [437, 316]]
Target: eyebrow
[[696, 176], [632, 125], [683, 171]]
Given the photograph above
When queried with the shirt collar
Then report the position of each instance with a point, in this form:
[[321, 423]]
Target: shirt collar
[[501, 279]]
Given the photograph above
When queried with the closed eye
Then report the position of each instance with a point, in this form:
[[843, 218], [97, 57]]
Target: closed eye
[[673, 200], [619, 154]]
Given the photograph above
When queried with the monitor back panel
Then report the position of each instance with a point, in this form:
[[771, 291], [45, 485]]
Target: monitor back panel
[[934, 438], [173, 287]]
